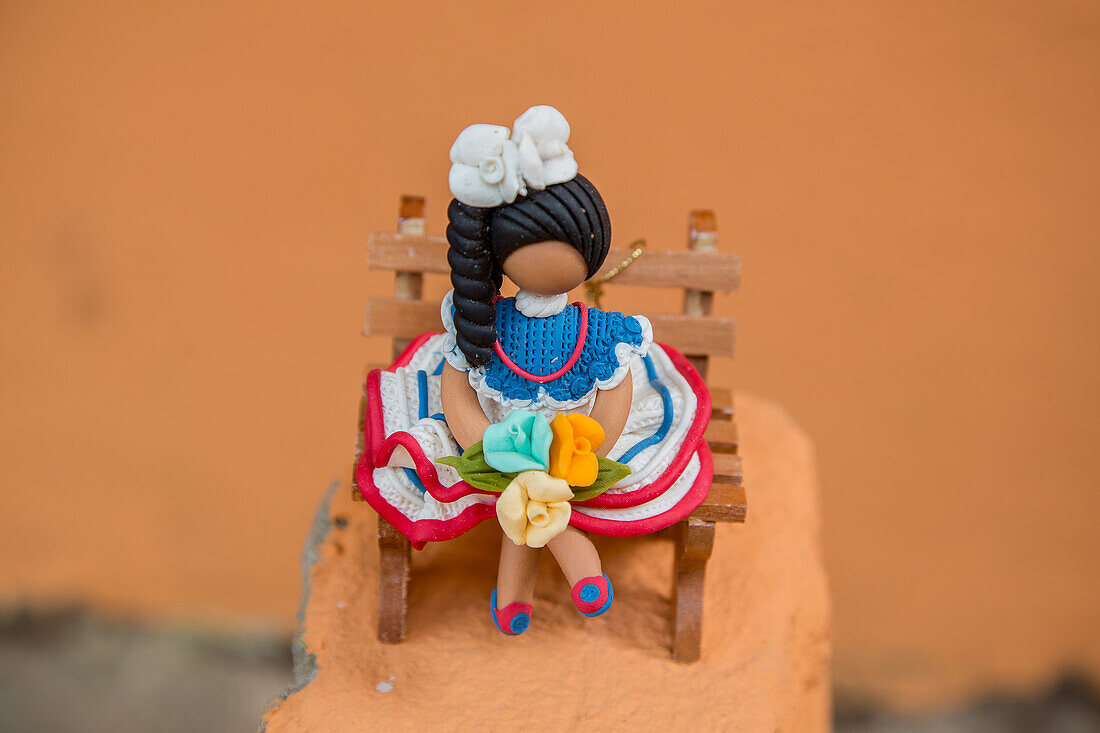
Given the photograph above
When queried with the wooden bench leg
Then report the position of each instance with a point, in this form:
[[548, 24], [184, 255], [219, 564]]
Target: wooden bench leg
[[694, 542], [394, 552]]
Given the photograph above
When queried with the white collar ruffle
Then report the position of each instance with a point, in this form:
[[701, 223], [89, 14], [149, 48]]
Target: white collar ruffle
[[534, 305]]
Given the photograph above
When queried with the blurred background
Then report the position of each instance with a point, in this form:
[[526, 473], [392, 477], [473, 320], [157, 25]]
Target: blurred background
[[186, 191]]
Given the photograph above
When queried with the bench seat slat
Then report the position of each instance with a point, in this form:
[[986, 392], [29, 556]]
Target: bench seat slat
[[721, 404], [728, 465], [689, 334], [725, 503], [717, 271], [722, 436]]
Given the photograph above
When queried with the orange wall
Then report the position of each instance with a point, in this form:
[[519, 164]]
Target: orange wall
[[185, 195]]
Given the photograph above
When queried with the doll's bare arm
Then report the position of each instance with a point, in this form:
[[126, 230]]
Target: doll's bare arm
[[611, 409], [464, 415]]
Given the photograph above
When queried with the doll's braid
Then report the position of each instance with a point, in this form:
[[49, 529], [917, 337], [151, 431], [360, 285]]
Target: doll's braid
[[476, 279]]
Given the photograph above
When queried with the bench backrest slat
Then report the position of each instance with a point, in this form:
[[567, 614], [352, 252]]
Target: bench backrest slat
[[713, 271]]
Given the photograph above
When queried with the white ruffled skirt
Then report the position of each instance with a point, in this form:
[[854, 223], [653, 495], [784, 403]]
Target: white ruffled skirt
[[662, 444]]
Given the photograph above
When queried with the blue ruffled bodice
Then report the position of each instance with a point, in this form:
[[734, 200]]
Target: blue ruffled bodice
[[543, 345]]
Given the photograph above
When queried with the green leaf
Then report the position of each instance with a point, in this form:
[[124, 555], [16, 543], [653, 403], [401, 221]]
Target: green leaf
[[473, 469], [611, 472]]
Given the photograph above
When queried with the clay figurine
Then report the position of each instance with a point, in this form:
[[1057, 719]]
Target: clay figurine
[[555, 418]]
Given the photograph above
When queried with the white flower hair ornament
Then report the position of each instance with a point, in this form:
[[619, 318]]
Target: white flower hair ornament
[[492, 165]]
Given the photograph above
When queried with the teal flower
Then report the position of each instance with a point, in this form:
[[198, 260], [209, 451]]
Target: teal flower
[[520, 443]]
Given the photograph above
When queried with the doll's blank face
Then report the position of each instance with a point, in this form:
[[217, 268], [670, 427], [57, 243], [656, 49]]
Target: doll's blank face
[[546, 268]]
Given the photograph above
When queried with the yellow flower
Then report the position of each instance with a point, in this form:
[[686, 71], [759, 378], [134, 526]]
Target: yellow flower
[[572, 451], [534, 509]]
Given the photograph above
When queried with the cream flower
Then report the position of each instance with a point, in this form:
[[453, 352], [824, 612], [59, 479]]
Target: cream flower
[[485, 170], [535, 508], [540, 135], [492, 165]]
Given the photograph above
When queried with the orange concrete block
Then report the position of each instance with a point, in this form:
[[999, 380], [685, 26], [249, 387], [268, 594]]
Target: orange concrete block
[[766, 633]]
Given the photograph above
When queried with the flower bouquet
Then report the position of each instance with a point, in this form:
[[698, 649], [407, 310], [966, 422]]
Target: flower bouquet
[[538, 467]]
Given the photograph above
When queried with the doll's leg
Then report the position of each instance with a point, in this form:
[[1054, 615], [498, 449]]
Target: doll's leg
[[576, 555], [516, 575], [592, 592]]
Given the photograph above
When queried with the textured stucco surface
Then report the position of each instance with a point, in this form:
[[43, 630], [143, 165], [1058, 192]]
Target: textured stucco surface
[[766, 643]]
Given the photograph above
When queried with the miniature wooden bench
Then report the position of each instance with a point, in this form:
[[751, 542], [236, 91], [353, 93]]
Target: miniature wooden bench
[[699, 272]]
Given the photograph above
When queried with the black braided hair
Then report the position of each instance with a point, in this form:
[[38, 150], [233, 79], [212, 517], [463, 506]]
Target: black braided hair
[[482, 238]]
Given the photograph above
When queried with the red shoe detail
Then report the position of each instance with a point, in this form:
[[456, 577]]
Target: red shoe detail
[[513, 619], [593, 596]]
